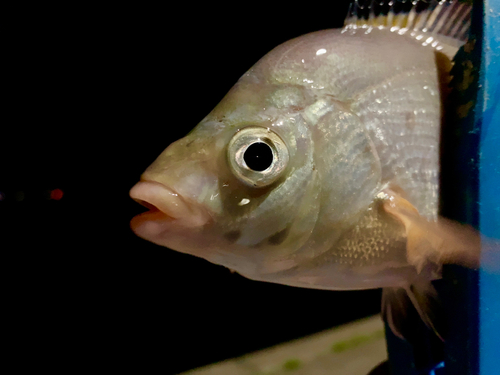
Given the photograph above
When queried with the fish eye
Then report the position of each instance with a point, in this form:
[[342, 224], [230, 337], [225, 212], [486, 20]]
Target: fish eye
[[257, 156]]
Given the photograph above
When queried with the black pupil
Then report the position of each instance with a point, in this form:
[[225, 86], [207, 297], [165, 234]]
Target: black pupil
[[258, 156]]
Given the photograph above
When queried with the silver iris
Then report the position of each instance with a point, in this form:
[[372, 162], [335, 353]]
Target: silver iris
[[239, 144]]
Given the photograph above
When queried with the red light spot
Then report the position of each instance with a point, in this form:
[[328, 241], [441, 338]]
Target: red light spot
[[56, 194]]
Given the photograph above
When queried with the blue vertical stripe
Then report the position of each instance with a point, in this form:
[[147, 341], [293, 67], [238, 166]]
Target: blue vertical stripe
[[489, 187]]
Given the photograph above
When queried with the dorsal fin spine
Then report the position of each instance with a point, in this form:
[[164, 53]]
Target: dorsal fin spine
[[440, 24]]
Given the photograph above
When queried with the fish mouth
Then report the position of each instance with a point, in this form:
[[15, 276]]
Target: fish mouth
[[166, 207]]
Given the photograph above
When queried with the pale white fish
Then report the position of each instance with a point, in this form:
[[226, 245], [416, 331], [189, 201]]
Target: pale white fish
[[320, 167]]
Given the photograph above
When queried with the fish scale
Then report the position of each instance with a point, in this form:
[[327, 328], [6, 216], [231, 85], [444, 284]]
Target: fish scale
[[368, 243], [407, 142]]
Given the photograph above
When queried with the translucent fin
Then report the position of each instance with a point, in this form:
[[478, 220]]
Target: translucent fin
[[425, 300], [443, 25], [439, 242], [395, 304], [423, 296]]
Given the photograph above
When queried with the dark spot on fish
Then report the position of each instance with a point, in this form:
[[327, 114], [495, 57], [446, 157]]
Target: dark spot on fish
[[279, 237], [314, 167], [367, 149], [410, 120], [232, 236]]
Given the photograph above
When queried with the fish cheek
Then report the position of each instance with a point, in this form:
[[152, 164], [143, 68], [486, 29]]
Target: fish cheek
[[238, 199]]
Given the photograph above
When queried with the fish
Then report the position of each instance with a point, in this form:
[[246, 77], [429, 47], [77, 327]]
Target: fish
[[320, 167]]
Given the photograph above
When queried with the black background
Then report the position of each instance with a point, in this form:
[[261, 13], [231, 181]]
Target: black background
[[96, 94]]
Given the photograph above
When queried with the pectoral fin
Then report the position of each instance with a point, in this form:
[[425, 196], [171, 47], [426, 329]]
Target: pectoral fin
[[440, 242]]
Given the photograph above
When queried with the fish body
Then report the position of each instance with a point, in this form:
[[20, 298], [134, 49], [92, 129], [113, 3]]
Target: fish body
[[305, 172]]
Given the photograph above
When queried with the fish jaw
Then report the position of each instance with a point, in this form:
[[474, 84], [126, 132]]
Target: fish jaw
[[187, 227], [168, 209]]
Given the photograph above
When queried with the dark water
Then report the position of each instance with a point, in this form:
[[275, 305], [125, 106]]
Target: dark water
[[96, 95]]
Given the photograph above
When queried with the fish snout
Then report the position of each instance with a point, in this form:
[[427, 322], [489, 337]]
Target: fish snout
[[167, 205]]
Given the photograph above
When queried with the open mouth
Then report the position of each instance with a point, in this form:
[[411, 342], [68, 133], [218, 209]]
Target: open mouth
[[149, 206], [153, 214], [153, 211], [165, 205]]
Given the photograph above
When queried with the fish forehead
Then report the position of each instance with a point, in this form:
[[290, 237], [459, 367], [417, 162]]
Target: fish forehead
[[293, 75], [342, 63], [257, 99]]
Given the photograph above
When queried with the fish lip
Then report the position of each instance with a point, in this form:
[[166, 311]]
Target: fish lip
[[166, 205]]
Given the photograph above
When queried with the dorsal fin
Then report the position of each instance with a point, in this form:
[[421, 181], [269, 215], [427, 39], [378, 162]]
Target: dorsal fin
[[443, 25]]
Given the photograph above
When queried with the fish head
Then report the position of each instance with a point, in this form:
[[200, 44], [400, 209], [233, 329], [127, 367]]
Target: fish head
[[240, 189]]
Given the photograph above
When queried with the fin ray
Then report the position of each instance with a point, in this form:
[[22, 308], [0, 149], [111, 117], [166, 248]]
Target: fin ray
[[396, 302], [394, 310], [443, 25], [425, 300]]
